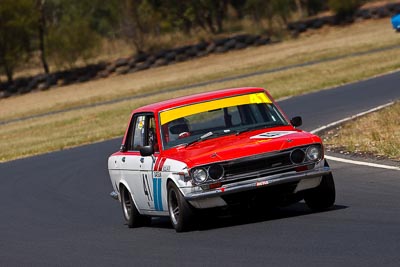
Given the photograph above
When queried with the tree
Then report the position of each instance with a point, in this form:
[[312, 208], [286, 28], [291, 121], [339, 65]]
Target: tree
[[209, 14], [138, 20], [41, 24], [239, 6], [68, 32], [17, 26], [270, 9], [344, 8], [186, 15]]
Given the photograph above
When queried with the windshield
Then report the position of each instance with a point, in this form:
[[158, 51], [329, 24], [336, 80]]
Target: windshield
[[233, 115]]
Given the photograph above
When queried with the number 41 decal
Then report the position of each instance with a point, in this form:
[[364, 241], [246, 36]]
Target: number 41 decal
[[156, 190], [146, 187]]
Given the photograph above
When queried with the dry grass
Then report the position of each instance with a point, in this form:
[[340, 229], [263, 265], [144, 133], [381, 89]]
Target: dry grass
[[100, 123], [329, 42], [377, 134]]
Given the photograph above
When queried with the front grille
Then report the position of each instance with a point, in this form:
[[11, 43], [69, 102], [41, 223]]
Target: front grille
[[271, 163], [260, 166]]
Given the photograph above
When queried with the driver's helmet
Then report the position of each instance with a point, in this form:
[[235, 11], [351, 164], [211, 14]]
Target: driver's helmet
[[178, 127]]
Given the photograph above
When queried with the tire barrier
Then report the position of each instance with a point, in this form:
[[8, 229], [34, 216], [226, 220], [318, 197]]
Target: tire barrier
[[121, 66], [384, 11], [143, 61]]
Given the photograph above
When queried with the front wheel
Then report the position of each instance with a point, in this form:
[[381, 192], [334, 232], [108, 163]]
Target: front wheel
[[180, 211], [323, 196]]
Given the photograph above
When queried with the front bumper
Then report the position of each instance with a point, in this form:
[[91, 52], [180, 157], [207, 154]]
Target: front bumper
[[256, 183]]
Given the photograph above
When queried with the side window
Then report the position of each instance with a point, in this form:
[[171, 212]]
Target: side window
[[142, 133], [139, 133], [151, 134]]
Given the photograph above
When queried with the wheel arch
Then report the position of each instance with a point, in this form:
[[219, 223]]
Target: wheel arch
[[172, 180], [123, 184]]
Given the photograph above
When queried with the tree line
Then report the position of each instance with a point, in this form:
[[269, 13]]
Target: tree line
[[65, 31]]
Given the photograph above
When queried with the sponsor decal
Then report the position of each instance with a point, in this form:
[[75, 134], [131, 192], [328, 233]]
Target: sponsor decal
[[271, 135], [262, 183], [166, 168], [141, 122]]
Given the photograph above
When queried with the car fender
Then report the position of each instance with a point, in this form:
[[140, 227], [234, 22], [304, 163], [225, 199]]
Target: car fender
[[124, 183]]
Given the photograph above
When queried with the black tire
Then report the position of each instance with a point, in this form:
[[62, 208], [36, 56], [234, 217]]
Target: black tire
[[129, 210], [180, 211], [323, 196]]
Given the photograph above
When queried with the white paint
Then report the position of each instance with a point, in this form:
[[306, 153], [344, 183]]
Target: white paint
[[307, 184], [362, 163], [271, 135]]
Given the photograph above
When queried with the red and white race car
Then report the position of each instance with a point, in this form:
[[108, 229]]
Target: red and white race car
[[212, 150]]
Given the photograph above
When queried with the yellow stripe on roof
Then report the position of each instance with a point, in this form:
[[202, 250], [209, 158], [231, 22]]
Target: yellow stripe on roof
[[176, 113]]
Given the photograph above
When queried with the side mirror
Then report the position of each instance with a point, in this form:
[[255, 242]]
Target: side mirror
[[146, 151], [296, 121], [122, 148]]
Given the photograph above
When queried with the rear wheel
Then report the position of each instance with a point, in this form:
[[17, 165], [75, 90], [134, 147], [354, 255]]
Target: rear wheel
[[129, 210], [323, 196], [180, 211]]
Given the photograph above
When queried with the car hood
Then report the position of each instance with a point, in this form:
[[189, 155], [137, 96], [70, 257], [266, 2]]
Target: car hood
[[234, 146]]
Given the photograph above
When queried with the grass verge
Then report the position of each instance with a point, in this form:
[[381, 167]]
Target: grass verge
[[64, 130], [376, 134]]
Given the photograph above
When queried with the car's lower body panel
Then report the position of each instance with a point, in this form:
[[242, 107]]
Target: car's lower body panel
[[295, 182]]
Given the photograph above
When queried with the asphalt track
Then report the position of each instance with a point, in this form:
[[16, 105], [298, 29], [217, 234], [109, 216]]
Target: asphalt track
[[55, 209]]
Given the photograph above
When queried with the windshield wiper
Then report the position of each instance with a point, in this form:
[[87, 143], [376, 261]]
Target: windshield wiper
[[255, 127], [244, 130], [201, 138]]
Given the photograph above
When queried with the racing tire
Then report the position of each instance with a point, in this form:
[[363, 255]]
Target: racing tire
[[132, 216], [323, 196], [180, 211]]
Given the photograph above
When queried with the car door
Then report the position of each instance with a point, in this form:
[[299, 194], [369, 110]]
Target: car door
[[138, 170], [151, 177]]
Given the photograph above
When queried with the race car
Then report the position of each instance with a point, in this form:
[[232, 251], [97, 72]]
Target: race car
[[396, 22], [216, 150]]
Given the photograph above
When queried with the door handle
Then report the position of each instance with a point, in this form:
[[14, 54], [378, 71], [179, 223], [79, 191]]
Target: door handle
[[142, 160], [123, 159]]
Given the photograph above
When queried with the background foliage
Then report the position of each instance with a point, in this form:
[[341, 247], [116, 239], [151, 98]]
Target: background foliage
[[68, 32]]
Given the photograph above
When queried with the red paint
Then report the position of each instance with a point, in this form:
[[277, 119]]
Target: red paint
[[227, 147]]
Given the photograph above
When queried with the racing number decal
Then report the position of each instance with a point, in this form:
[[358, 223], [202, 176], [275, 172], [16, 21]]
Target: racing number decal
[[146, 187], [156, 190]]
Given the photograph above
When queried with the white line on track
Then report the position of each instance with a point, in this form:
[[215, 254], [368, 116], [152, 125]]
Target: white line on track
[[333, 124], [363, 163]]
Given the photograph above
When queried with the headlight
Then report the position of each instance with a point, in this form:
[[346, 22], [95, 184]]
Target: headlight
[[313, 153], [297, 156], [199, 175], [216, 172]]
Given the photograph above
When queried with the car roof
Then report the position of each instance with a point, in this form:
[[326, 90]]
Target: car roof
[[185, 100]]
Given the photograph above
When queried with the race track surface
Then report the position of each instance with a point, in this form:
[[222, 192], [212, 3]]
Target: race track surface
[[56, 211]]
